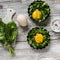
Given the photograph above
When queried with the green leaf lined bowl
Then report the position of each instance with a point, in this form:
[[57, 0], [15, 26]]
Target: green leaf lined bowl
[[39, 11], [38, 38]]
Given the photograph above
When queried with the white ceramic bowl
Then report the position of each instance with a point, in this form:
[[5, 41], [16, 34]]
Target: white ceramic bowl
[[55, 24]]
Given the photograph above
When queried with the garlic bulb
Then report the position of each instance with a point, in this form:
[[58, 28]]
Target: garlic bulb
[[22, 20]]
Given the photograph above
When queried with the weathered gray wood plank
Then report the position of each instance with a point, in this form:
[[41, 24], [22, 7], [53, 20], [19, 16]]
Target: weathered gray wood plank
[[22, 49]]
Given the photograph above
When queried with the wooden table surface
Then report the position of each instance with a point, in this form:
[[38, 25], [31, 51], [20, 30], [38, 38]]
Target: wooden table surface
[[23, 50]]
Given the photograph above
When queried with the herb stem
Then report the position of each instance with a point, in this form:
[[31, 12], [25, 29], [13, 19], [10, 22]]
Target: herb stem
[[11, 51]]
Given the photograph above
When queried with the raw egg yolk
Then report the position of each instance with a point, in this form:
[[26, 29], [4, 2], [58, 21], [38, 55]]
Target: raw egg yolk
[[36, 14], [39, 38]]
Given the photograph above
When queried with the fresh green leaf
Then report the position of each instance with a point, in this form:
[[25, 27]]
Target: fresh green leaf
[[8, 34]]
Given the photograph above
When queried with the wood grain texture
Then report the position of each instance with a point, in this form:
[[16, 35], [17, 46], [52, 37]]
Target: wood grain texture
[[22, 49]]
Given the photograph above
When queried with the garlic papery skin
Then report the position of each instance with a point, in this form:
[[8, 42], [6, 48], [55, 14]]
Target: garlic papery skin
[[22, 20]]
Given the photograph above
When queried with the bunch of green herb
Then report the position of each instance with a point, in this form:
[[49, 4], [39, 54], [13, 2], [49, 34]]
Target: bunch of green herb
[[8, 34]]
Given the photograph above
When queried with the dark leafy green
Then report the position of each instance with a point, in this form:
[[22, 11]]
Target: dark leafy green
[[8, 34], [42, 6], [31, 39], [2, 31]]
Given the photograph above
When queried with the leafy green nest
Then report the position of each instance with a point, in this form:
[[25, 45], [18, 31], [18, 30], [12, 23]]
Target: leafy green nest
[[31, 39], [42, 6], [8, 34]]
